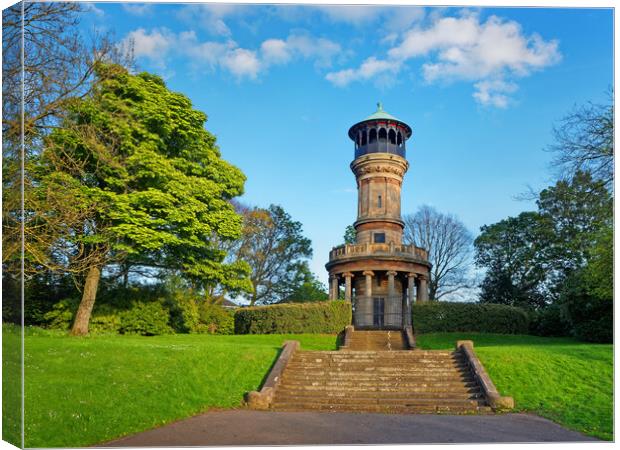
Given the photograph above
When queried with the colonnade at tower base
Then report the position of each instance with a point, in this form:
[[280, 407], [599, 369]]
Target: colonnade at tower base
[[380, 299]]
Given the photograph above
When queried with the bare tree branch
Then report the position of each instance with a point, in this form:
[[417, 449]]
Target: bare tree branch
[[449, 246]]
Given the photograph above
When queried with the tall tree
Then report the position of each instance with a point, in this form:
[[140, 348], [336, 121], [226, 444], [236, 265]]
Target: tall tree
[[57, 64], [576, 209], [514, 253], [275, 248], [305, 287], [449, 246], [584, 141], [136, 173], [350, 235]]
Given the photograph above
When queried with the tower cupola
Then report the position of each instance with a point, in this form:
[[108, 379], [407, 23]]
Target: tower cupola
[[380, 133]]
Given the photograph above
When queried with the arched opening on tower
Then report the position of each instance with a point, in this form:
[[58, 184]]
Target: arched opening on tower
[[399, 139], [372, 136], [392, 137], [363, 138], [382, 135]]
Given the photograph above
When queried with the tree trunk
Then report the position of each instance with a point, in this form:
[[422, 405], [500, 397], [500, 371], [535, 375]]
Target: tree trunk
[[80, 325], [125, 275]]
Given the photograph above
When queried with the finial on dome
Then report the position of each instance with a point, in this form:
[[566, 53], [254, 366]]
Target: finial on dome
[[379, 106]]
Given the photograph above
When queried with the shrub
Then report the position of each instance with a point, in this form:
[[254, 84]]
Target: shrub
[[104, 319], [60, 317], [215, 320], [184, 315], [147, 319], [549, 321], [472, 317], [318, 317], [590, 316]]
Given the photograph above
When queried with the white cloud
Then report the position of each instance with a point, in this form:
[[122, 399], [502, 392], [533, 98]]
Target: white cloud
[[321, 50], [389, 19], [91, 7], [352, 14], [491, 54], [153, 45], [159, 45], [275, 51], [493, 92], [369, 69], [210, 17], [241, 63], [138, 9]]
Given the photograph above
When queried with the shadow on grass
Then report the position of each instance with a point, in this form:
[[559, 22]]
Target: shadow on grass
[[273, 363]]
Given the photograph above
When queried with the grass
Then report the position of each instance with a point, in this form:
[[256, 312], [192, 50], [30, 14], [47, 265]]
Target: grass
[[567, 381], [11, 385], [83, 391]]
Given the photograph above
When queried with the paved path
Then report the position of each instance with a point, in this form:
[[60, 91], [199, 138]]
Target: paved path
[[246, 427]]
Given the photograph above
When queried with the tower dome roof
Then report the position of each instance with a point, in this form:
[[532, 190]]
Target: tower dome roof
[[380, 114]]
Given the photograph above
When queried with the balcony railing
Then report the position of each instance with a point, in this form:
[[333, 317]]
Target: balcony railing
[[381, 146], [391, 249]]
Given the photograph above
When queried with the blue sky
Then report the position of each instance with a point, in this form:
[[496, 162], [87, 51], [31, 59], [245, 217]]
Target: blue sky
[[481, 88]]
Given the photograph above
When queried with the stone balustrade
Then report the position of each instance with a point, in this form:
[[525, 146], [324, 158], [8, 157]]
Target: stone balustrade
[[391, 249]]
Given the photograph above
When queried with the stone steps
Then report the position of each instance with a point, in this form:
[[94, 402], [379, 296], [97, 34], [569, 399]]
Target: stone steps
[[386, 409], [355, 353], [377, 340], [353, 366], [396, 395], [447, 401], [382, 371], [409, 388], [387, 385], [370, 380]]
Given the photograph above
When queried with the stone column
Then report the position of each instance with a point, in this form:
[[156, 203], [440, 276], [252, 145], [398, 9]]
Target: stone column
[[368, 274], [422, 290], [364, 304], [347, 285], [334, 288], [391, 274], [390, 306], [410, 297]]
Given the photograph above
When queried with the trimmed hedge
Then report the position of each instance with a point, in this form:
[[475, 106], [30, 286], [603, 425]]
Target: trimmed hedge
[[434, 317], [317, 317]]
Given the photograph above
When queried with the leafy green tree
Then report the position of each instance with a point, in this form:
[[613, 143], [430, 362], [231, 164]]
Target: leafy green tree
[[275, 248], [535, 253], [514, 253], [58, 65], [576, 209], [131, 171], [599, 273], [350, 235], [586, 298], [590, 316], [306, 288]]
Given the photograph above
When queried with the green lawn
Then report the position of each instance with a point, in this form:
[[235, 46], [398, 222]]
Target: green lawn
[[82, 391], [567, 381]]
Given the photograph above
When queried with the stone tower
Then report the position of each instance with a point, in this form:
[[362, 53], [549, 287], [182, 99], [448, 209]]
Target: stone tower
[[381, 276]]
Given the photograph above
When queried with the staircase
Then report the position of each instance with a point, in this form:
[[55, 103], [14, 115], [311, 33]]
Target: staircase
[[380, 378], [377, 340]]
